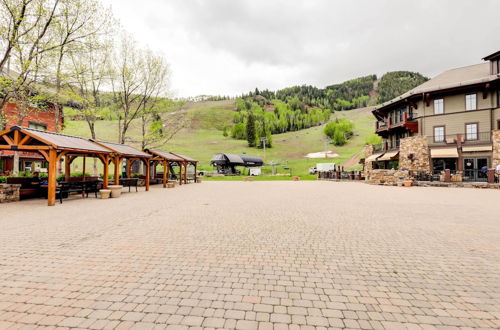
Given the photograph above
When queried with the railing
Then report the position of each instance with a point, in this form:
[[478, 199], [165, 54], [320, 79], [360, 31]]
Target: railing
[[481, 137], [399, 120], [386, 146], [379, 147], [341, 175]]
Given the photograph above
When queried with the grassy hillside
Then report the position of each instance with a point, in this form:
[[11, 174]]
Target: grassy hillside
[[203, 137]]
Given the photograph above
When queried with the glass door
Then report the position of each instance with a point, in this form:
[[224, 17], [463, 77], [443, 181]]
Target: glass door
[[475, 169]]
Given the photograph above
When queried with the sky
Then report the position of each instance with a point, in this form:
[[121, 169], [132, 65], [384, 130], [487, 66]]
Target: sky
[[230, 47]]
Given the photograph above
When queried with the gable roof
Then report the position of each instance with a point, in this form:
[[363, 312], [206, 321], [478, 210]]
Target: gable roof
[[493, 56], [62, 141], [122, 149]]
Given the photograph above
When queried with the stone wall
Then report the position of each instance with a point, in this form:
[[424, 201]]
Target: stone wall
[[387, 177], [9, 192], [368, 151], [495, 137], [414, 154]]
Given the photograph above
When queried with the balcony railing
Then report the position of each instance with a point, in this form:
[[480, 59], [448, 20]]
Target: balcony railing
[[386, 146], [471, 138], [405, 120]]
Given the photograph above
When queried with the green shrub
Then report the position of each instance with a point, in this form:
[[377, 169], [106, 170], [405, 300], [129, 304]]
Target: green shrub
[[239, 131], [3, 179], [373, 139], [339, 130]]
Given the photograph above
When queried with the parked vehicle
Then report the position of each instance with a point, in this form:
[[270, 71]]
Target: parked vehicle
[[322, 167]]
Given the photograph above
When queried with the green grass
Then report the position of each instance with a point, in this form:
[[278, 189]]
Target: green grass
[[203, 138]]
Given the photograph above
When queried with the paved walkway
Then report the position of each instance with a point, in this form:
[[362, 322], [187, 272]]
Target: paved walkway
[[251, 255]]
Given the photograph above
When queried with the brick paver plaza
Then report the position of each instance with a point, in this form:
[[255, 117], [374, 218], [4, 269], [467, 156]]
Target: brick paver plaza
[[255, 255]]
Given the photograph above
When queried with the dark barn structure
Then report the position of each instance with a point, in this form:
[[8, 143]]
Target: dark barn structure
[[226, 163]]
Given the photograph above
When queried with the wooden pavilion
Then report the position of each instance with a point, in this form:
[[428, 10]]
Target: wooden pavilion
[[54, 146], [167, 159], [131, 155], [186, 162]]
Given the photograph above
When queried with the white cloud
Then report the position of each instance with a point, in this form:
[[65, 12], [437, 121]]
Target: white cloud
[[232, 46]]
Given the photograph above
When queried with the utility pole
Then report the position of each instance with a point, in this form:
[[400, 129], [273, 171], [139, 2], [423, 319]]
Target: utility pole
[[264, 142]]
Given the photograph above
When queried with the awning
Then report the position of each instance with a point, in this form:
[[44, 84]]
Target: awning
[[373, 157], [389, 155], [476, 148], [444, 153]]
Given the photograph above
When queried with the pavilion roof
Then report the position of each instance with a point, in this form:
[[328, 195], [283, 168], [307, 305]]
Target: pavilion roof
[[122, 149], [62, 141], [165, 155], [184, 157]]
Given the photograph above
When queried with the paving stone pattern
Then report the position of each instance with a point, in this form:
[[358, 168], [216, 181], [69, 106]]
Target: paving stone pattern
[[254, 255]]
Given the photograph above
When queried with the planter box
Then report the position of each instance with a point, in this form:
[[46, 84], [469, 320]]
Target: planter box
[[116, 191], [105, 193]]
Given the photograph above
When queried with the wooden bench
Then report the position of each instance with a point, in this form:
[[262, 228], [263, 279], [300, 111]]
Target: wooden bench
[[130, 182]]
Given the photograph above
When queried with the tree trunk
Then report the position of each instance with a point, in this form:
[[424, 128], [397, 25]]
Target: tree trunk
[[58, 88]]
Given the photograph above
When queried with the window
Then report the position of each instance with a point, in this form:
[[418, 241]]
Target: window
[[439, 134], [470, 102], [38, 126], [498, 124], [438, 106], [471, 132]]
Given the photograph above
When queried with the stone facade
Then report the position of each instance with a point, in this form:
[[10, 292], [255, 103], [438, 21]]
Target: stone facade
[[9, 192], [495, 159], [414, 154], [387, 177], [368, 151]]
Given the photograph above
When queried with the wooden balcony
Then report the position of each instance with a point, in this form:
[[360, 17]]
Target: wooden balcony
[[407, 123]]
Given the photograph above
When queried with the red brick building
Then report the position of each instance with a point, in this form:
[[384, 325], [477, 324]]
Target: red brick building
[[34, 118]]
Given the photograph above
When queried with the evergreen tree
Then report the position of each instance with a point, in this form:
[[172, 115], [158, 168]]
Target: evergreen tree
[[251, 130]]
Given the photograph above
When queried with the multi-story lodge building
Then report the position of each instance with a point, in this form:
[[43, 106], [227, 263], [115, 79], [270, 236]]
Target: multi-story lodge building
[[42, 119], [450, 122]]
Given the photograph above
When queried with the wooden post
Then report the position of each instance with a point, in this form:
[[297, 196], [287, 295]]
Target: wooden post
[[129, 169], [117, 170], [51, 191], [106, 172], [164, 174], [147, 174], [195, 173], [180, 174], [83, 169], [67, 167], [168, 170], [186, 173]]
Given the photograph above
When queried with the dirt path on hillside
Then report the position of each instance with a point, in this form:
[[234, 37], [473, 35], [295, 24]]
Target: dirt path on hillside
[[353, 161]]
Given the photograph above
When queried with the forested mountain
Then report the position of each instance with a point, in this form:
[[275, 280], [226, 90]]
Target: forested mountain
[[393, 84], [263, 113], [351, 94]]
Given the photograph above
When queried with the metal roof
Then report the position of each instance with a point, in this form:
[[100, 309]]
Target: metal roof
[[221, 158], [122, 149], [164, 154], [61, 141], [236, 160]]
